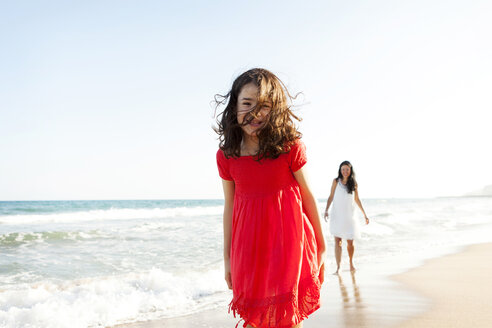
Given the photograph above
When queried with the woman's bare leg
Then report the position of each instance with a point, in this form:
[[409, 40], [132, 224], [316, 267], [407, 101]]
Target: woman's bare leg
[[350, 250], [338, 252]]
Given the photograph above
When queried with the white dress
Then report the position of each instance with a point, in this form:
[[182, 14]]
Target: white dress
[[343, 221]]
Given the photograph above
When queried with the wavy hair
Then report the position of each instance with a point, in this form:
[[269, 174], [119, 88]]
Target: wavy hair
[[351, 182], [277, 134]]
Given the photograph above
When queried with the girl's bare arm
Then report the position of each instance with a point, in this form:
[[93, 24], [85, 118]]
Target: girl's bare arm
[[311, 209], [229, 189]]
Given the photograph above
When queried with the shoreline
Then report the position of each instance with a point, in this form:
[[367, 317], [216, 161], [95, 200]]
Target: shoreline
[[363, 299], [451, 290]]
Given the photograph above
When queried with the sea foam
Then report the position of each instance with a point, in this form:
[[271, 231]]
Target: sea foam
[[106, 301], [111, 214]]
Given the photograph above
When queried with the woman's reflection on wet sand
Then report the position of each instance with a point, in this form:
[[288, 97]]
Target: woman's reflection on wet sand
[[353, 304]]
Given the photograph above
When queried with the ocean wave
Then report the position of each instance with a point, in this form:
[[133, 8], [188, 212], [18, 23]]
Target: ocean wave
[[17, 238], [382, 215], [377, 229], [108, 301], [111, 214]]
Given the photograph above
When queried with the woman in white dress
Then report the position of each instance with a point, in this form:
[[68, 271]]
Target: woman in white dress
[[344, 224]]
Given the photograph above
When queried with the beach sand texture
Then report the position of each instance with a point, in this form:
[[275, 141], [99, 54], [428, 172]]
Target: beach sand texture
[[459, 287], [451, 291]]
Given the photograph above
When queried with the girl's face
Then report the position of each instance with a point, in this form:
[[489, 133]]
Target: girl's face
[[345, 171], [246, 101]]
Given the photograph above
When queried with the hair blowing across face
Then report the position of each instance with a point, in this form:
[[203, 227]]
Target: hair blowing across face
[[351, 182], [278, 132]]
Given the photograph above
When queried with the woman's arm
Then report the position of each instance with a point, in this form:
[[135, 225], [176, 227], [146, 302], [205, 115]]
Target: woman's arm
[[330, 199], [311, 209], [359, 203], [229, 188]]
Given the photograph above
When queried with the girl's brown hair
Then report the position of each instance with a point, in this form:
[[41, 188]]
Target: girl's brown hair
[[278, 133]]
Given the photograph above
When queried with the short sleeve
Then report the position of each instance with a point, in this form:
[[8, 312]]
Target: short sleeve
[[223, 166], [297, 156]]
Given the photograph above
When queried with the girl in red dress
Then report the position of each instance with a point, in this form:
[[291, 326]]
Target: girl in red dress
[[273, 243]]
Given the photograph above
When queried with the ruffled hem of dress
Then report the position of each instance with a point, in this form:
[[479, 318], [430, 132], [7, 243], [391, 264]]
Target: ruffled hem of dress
[[270, 312]]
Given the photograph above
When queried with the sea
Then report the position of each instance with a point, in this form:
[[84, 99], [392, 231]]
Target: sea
[[106, 262]]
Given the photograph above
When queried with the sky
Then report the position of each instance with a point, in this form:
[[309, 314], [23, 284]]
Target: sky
[[113, 99]]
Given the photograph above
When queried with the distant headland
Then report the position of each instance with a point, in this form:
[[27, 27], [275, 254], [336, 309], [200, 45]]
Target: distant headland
[[484, 192]]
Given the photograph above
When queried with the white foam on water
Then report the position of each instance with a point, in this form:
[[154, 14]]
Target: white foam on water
[[110, 300], [44, 236], [377, 229], [111, 214]]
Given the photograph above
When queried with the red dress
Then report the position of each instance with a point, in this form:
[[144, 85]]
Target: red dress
[[274, 265]]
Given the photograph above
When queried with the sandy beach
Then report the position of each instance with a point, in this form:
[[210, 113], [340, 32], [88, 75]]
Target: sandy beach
[[450, 291], [459, 287]]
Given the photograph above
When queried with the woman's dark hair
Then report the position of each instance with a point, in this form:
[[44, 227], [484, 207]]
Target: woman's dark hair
[[351, 182], [278, 133]]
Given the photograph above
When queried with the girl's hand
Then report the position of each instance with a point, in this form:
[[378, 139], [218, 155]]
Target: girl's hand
[[321, 263], [321, 273], [326, 216], [227, 272], [367, 220]]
